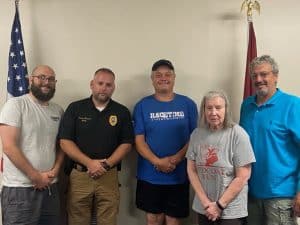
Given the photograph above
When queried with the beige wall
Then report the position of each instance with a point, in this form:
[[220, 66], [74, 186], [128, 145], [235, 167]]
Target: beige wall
[[206, 40]]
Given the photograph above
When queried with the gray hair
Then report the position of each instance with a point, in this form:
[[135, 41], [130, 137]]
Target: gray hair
[[264, 59], [228, 122]]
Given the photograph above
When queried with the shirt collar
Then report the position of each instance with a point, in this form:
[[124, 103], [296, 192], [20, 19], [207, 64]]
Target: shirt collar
[[270, 101], [92, 105]]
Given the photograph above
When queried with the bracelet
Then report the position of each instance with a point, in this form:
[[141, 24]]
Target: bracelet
[[219, 205]]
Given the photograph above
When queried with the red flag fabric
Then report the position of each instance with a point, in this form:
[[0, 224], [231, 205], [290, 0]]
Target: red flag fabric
[[251, 54]]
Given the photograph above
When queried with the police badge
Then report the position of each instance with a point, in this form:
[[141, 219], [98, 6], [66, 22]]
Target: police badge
[[113, 120]]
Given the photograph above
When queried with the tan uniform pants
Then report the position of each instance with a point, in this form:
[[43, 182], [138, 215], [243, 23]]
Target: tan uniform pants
[[82, 189]]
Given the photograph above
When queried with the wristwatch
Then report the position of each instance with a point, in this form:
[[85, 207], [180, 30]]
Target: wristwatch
[[106, 166]]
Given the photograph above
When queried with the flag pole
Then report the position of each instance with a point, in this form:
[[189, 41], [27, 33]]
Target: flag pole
[[250, 6], [17, 4]]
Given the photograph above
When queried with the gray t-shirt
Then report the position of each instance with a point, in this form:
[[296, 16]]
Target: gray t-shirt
[[216, 155], [38, 126]]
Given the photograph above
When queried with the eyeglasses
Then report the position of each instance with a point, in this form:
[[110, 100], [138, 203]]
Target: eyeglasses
[[160, 75], [261, 74], [44, 78]]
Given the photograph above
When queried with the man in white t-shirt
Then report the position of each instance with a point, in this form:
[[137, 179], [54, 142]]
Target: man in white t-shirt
[[28, 130]]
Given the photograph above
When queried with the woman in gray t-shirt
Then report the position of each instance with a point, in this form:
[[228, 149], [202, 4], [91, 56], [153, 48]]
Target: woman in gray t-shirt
[[219, 164]]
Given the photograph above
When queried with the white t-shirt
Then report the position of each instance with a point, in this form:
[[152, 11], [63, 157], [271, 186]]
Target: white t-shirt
[[38, 126], [217, 155]]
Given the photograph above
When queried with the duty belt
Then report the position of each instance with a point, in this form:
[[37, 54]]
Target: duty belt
[[79, 167]]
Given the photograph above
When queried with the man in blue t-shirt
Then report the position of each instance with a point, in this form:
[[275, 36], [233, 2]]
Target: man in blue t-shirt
[[163, 123], [272, 120]]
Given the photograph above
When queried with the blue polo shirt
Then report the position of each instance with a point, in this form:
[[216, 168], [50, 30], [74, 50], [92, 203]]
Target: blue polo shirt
[[274, 130]]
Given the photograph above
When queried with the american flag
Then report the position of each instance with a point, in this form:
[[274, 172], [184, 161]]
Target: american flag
[[17, 81]]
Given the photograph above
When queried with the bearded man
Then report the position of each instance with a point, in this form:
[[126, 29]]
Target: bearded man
[[28, 129], [271, 118]]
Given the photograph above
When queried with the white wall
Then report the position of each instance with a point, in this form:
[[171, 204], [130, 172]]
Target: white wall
[[205, 39]]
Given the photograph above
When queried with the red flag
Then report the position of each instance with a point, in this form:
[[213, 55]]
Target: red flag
[[251, 54]]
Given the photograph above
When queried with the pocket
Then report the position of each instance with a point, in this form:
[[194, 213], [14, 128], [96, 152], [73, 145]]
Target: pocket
[[278, 128], [285, 208], [18, 204]]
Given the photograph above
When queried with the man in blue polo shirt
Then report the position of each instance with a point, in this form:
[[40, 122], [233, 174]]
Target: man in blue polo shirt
[[272, 120]]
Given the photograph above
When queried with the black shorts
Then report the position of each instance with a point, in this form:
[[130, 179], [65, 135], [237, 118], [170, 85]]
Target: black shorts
[[172, 200], [203, 220]]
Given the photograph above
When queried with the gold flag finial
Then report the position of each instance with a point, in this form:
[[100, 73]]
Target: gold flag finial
[[17, 2], [250, 5]]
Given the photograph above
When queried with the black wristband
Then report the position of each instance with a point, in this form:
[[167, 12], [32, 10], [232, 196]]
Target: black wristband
[[106, 166], [219, 205]]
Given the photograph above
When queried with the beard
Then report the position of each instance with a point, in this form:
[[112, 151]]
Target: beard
[[261, 92], [101, 99], [39, 94]]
